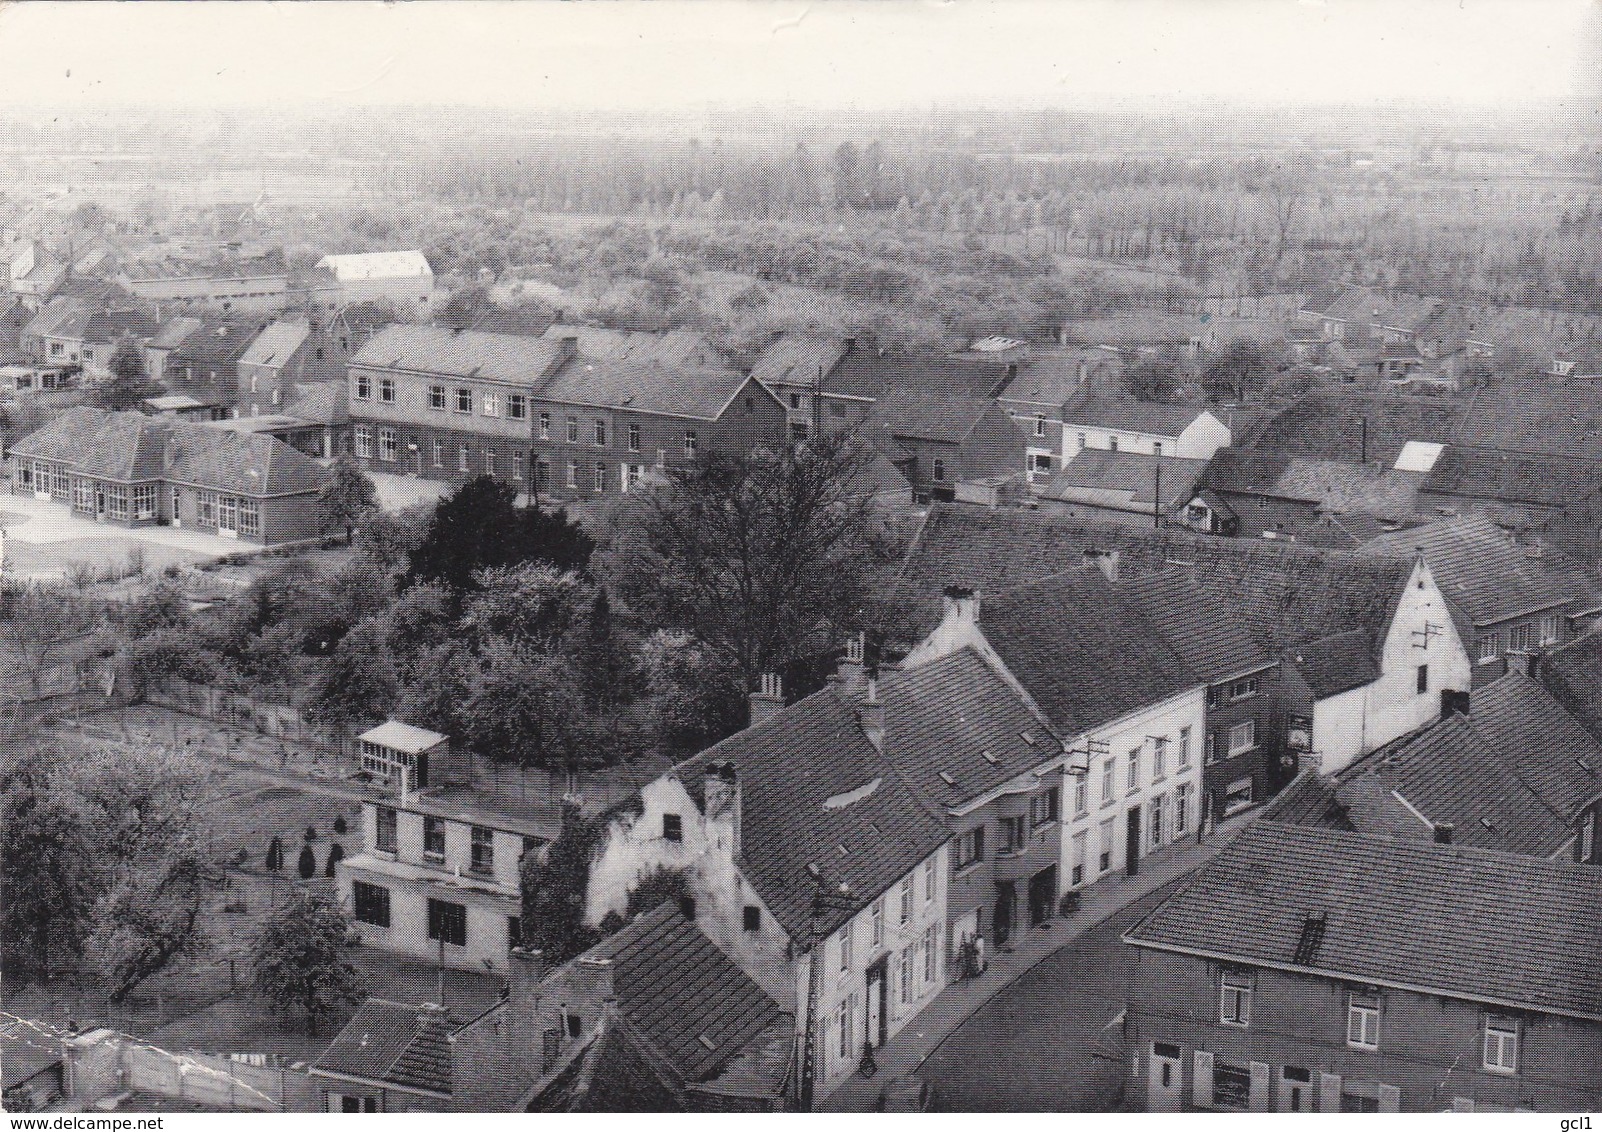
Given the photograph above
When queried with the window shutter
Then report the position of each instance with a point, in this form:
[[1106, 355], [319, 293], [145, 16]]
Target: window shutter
[[1329, 1092], [1283, 1099], [1462, 1104], [1390, 1098], [1257, 1098], [1201, 1086]]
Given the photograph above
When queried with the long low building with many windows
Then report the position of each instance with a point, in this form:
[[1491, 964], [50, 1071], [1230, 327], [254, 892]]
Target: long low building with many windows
[[132, 470]]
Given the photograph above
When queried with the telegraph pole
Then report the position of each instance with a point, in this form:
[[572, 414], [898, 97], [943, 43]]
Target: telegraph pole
[[1157, 494]]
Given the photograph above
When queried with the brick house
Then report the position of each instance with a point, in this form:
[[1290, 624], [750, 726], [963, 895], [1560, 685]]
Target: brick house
[[602, 426], [941, 440], [285, 354], [654, 1018], [1309, 969], [390, 1057], [448, 404], [72, 332], [132, 470], [1302, 498], [810, 862], [203, 369]]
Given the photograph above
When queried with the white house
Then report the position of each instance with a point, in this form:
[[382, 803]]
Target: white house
[[404, 278], [809, 861], [1156, 429]]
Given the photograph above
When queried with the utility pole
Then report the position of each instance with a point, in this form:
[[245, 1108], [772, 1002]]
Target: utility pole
[[1157, 494], [1362, 423], [817, 404], [823, 899]]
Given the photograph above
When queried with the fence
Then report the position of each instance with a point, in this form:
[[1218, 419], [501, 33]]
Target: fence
[[102, 1063], [279, 720]]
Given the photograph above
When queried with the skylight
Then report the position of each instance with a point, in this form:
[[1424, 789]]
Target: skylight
[[989, 757], [947, 779]]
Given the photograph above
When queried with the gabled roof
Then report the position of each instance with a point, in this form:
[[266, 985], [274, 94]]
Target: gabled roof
[[320, 402], [1545, 745], [171, 334], [805, 780], [649, 387], [686, 349], [1337, 663], [917, 414], [276, 343], [613, 1072], [1334, 486], [53, 315], [513, 358], [1447, 772], [870, 374], [1309, 800], [1285, 594], [1125, 481], [1213, 644], [1512, 477], [364, 267], [1481, 571], [1081, 651], [799, 359], [1562, 419], [394, 1043], [1051, 376], [398, 736], [1155, 418], [1331, 426], [1469, 924], [217, 346], [955, 729], [1573, 674]]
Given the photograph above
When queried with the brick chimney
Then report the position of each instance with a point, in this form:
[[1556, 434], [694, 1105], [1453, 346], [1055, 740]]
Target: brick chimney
[[853, 666], [524, 974], [768, 700], [595, 978], [960, 605], [1443, 832], [721, 789], [873, 716]]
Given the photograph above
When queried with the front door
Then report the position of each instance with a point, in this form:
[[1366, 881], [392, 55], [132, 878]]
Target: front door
[[1006, 897], [228, 517], [1162, 1085], [1042, 892], [100, 503], [878, 1003], [1132, 842]]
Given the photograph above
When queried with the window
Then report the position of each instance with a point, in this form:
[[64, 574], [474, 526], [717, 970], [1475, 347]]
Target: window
[[439, 453], [1490, 647], [144, 501], [1104, 847], [1043, 808], [600, 434], [1081, 795], [906, 974], [1521, 638], [1112, 444], [572, 430], [1232, 1085], [575, 1024], [752, 918], [436, 397], [386, 444], [489, 462], [1081, 442], [845, 948], [795, 400], [906, 901], [1501, 1045], [490, 404], [1159, 757], [464, 400], [1208, 757], [600, 477], [1156, 822], [1423, 678], [386, 390], [1157, 448], [1076, 876], [1549, 628], [1359, 1102], [843, 1022], [372, 904], [1235, 999], [1362, 1022], [929, 881], [1107, 782], [691, 444], [1013, 835], [463, 458], [634, 438], [206, 508], [939, 470], [250, 518], [1243, 689], [572, 474], [931, 946], [433, 838], [447, 922], [517, 465], [384, 829], [969, 848], [1243, 736], [364, 441], [672, 827], [1182, 810], [545, 426], [1040, 424], [482, 859], [878, 922], [1184, 748], [364, 387], [1133, 770]]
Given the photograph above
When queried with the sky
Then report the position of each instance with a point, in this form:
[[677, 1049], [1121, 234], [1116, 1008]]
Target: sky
[[621, 55]]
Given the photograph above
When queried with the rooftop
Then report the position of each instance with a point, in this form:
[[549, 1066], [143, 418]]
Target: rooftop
[[364, 267], [1153, 417], [1212, 643], [398, 736], [512, 358], [395, 1043], [919, 414], [1333, 486], [1545, 746], [1125, 481], [1463, 923], [649, 387], [1542, 479], [1573, 674]]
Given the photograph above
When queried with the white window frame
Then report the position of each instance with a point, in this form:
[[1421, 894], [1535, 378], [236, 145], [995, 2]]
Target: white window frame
[[489, 404], [928, 882], [1502, 1036], [364, 442], [1489, 649], [1183, 761], [692, 443], [1235, 999], [1159, 758], [545, 426], [1132, 772], [516, 407], [1362, 1022], [386, 390], [572, 473], [1109, 772], [439, 452], [598, 479], [634, 438], [1246, 728], [464, 458], [1549, 631], [517, 465], [387, 446]]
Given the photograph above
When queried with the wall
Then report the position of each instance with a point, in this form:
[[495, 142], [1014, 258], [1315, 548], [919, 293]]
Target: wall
[[1430, 1048], [1258, 764], [411, 405], [1202, 437], [101, 1063]]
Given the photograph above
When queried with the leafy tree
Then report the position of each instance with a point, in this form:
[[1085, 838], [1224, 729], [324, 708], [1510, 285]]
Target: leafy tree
[[388, 539], [1153, 377], [299, 960], [358, 682], [654, 889], [48, 860], [480, 526], [555, 888], [152, 917], [605, 668], [347, 499], [128, 386], [697, 698], [532, 604], [1241, 367], [527, 706], [765, 559]]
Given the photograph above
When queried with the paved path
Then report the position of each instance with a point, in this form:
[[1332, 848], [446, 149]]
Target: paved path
[[909, 1049]]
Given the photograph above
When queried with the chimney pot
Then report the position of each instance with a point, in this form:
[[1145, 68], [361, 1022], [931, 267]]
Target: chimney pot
[[961, 604], [873, 716], [768, 700], [1443, 832]]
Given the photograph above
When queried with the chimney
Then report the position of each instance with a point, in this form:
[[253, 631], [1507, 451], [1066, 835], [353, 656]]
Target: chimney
[[1443, 832], [873, 716], [850, 343], [1104, 560], [960, 605], [559, 313], [595, 976], [721, 789], [1454, 702], [430, 1012], [768, 700], [1012, 370], [852, 666], [1309, 762], [525, 973]]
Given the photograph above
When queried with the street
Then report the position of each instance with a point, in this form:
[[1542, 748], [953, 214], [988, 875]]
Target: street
[[1043, 1044]]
